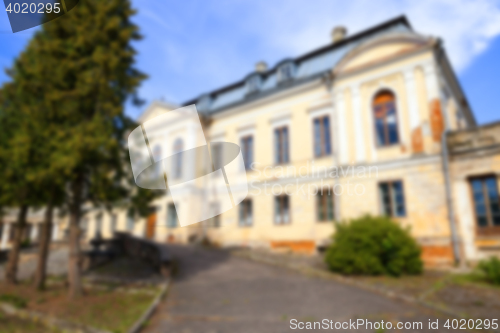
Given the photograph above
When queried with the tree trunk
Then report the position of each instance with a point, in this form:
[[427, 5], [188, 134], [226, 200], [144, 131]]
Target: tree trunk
[[43, 249], [74, 268], [11, 270]]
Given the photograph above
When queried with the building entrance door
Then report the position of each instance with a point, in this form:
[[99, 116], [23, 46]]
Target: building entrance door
[[151, 226]]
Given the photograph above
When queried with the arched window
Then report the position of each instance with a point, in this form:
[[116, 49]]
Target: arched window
[[386, 121], [177, 160]]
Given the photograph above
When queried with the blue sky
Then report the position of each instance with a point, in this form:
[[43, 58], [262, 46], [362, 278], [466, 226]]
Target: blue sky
[[191, 47]]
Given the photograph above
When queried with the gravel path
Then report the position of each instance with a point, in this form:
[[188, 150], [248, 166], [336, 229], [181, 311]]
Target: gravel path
[[217, 292]]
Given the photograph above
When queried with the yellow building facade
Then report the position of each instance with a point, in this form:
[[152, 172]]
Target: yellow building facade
[[356, 127]]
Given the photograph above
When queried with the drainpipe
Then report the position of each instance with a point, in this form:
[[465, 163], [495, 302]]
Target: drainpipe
[[328, 80], [449, 199]]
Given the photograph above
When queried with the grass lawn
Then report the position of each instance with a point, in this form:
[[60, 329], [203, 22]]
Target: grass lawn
[[10, 324], [113, 307], [106, 308]]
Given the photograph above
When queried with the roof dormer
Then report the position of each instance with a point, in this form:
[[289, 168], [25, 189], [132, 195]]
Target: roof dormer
[[285, 71], [253, 83]]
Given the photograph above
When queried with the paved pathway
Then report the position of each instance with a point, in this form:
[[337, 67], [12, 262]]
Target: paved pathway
[[215, 292]]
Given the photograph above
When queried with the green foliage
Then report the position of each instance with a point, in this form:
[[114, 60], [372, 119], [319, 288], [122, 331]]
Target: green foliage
[[373, 246], [64, 106], [14, 300], [25, 243], [62, 114], [491, 269]]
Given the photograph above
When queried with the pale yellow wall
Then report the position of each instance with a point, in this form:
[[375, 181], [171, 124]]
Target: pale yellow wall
[[423, 182], [422, 175]]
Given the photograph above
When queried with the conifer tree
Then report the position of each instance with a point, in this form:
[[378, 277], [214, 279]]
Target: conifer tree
[[85, 61], [90, 69]]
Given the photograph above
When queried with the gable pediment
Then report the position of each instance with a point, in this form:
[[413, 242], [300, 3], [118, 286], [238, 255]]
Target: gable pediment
[[381, 49]]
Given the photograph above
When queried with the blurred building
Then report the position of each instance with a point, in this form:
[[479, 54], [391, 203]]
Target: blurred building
[[372, 123]]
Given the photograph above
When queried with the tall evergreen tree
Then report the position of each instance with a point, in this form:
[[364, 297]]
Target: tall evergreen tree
[[22, 159], [89, 62], [85, 61]]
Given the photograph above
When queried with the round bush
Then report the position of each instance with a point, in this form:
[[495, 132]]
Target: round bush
[[491, 269], [373, 246]]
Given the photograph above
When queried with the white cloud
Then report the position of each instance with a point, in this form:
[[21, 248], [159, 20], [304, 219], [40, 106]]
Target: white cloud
[[193, 47], [467, 27]]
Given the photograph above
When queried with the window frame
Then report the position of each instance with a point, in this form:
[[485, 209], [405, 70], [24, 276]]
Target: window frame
[[177, 161], [214, 221], [245, 151], [386, 143], [320, 196], [113, 219], [253, 84], [98, 225], [490, 229], [169, 209], [279, 151], [217, 155], [281, 198], [322, 138], [391, 195], [244, 205], [130, 221], [84, 227], [286, 67]]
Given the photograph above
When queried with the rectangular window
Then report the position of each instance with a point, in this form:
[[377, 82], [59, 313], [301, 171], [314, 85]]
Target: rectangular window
[[214, 221], [112, 224], [324, 205], [98, 226], [486, 201], [130, 220], [285, 72], [322, 141], [172, 221], [245, 213], [84, 227], [247, 150], [282, 209], [12, 232], [281, 145], [392, 198], [216, 154]]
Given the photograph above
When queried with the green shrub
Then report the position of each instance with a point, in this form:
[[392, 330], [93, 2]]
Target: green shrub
[[14, 300], [491, 269], [373, 246], [25, 243]]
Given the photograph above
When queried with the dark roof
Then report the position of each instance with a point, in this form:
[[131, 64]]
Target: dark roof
[[308, 67]]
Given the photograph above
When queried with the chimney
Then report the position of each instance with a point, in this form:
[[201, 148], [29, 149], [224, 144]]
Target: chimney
[[338, 34], [261, 67]]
